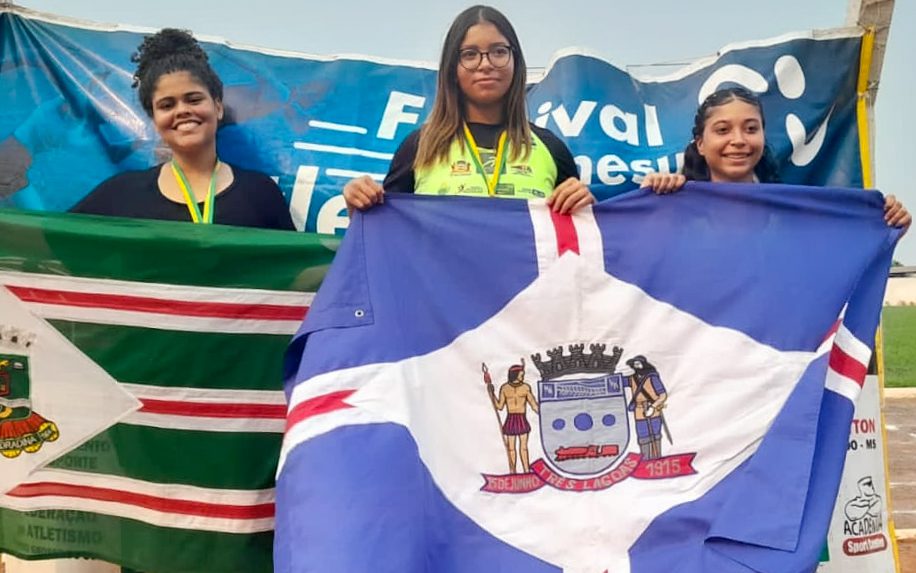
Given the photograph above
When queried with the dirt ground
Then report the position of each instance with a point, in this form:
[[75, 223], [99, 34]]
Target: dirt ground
[[900, 417], [908, 556]]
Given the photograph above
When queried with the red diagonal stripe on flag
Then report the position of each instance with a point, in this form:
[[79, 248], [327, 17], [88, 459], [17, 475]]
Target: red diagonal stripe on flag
[[847, 366], [165, 505], [159, 306], [567, 237], [318, 405], [213, 410]]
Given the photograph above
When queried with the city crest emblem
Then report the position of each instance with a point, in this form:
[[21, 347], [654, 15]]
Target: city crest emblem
[[461, 167], [584, 427], [598, 424], [21, 428]]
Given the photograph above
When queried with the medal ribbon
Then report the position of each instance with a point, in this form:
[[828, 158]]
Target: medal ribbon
[[493, 180], [207, 217]]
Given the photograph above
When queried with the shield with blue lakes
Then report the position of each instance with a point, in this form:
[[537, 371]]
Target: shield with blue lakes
[[584, 423]]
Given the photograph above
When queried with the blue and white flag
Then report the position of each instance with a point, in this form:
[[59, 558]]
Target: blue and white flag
[[654, 384]]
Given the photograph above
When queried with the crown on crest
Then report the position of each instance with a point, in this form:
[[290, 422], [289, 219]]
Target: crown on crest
[[14, 339], [577, 361]]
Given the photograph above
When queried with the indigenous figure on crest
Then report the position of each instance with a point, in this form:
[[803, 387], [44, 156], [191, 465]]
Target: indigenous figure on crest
[[515, 396]]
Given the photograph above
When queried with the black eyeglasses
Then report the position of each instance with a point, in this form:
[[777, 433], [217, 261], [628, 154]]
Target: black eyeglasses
[[498, 56]]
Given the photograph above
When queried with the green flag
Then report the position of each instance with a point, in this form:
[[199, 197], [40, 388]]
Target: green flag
[[192, 321]]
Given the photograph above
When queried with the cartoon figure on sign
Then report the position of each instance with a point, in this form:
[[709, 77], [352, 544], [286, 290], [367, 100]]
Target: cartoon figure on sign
[[515, 396], [864, 524], [866, 504], [647, 404], [21, 429]]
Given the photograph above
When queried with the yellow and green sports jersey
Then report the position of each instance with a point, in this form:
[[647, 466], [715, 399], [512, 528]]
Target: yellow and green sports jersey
[[549, 163]]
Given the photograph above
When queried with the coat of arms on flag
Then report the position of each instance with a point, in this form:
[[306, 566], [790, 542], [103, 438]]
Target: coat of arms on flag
[[21, 428], [42, 377], [589, 414]]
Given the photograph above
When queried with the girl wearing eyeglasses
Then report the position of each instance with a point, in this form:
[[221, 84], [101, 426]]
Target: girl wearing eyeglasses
[[477, 141]]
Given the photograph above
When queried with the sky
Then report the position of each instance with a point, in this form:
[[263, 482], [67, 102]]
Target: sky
[[632, 35]]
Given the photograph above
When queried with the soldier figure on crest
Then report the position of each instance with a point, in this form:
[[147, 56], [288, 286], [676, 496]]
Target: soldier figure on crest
[[647, 404]]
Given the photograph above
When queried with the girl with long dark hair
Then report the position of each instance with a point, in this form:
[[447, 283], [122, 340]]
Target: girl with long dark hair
[[477, 141]]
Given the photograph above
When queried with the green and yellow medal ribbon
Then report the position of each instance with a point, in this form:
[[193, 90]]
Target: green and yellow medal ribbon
[[493, 180], [207, 217]]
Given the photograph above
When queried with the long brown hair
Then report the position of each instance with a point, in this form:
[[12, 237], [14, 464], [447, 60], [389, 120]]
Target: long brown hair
[[446, 119]]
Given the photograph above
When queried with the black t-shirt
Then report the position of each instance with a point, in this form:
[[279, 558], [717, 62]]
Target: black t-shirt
[[251, 200], [400, 176]]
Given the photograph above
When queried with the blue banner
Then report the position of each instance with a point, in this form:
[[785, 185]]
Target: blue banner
[[620, 128], [70, 117]]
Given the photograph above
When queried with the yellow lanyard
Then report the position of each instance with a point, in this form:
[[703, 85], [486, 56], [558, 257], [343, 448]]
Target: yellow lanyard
[[493, 181], [207, 217]]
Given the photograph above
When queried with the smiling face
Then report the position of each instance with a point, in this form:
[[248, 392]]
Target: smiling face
[[184, 113], [732, 141], [486, 86]]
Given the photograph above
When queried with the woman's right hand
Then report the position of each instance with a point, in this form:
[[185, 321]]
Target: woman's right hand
[[896, 214], [362, 193], [664, 183]]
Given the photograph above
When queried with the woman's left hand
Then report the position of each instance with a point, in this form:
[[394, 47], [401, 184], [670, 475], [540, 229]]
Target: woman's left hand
[[569, 196], [895, 214]]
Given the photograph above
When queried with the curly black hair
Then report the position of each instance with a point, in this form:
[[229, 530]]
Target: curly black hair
[[695, 167], [167, 51]]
